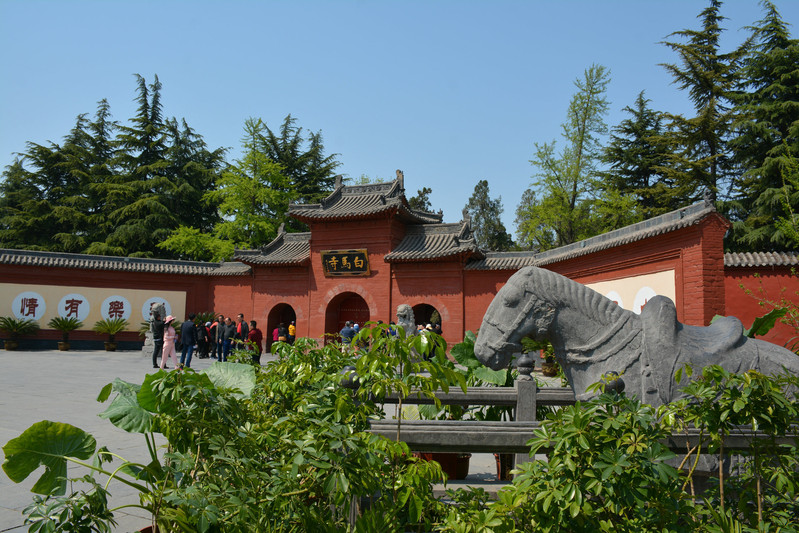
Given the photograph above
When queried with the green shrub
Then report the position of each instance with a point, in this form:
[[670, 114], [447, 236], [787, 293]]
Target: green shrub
[[65, 325], [18, 327]]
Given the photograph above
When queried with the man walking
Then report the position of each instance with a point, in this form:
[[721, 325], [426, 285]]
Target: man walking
[[188, 338]]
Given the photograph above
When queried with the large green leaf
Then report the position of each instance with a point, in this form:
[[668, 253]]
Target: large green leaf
[[497, 377], [233, 376], [46, 444], [763, 324], [125, 411], [463, 352]]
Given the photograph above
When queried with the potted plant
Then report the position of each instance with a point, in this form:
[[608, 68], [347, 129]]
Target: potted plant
[[16, 328], [64, 324], [110, 326]]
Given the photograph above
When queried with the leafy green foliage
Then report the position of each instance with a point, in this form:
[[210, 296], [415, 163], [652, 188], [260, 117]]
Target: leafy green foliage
[[638, 154], [718, 402], [566, 204], [421, 202], [47, 444], [606, 472], [110, 326], [285, 447], [84, 511], [18, 327], [65, 325]]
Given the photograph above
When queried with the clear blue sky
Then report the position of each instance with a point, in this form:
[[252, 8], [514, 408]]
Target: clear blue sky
[[450, 92]]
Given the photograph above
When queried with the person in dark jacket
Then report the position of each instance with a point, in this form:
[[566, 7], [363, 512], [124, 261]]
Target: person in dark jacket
[[188, 338], [157, 327], [228, 333], [242, 330], [202, 340], [216, 332]]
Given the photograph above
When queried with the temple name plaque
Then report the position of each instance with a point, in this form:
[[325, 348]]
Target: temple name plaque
[[341, 263]]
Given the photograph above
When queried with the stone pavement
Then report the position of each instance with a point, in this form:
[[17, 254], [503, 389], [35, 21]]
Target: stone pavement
[[63, 387]]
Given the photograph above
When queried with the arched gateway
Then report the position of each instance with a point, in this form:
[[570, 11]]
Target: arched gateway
[[345, 306], [281, 313]]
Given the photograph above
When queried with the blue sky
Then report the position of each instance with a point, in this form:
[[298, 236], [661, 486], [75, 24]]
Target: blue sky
[[451, 92]]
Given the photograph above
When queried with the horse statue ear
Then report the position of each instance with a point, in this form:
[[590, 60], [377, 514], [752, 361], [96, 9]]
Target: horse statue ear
[[659, 321]]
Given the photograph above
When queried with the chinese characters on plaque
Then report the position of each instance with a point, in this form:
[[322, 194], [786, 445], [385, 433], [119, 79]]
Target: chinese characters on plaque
[[345, 263]]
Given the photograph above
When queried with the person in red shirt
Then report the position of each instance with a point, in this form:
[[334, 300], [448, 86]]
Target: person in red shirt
[[255, 337]]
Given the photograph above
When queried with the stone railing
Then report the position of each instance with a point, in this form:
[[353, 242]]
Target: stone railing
[[512, 436]]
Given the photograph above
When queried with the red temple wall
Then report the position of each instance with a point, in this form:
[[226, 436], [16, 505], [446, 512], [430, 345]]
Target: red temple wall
[[439, 284], [765, 283]]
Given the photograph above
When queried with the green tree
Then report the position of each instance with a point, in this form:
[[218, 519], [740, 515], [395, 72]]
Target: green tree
[[421, 202], [559, 211], [252, 196], [702, 160], [638, 155], [767, 139], [161, 170], [302, 159], [489, 231]]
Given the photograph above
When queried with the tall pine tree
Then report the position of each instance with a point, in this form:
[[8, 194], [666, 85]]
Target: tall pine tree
[[702, 159], [489, 231], [767, 141], [638, 157]]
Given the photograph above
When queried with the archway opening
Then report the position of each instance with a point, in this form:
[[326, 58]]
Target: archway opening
[[345, 306], [281, 313], [426, 314]]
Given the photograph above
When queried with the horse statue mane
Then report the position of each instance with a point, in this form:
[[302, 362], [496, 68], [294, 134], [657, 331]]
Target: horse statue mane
[[592, 336]]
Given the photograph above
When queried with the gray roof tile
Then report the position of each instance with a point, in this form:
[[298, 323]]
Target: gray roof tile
[[427, 242], [288, 249], [124, 264], [761, 259], [666, 223], [356, 202]]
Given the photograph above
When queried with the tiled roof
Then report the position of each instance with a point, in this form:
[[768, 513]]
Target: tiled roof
[[427, 242], [288, 249], [666, 223], [124, 264], [761, 259], [502, 261], [357, 202]]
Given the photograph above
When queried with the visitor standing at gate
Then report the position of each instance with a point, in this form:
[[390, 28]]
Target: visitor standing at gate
[[228, 332], [347, 333], [157, 327], [256, 337], [169, 343], [242, 330], [188, 338], [292, 332], [213, 339]]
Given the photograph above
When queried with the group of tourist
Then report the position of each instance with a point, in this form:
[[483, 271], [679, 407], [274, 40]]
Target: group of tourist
[[212, 339], [285, 334]]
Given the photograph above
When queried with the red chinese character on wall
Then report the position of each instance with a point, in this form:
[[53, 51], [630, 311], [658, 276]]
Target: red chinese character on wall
[[28, 306], [71, 307], [116, 309]]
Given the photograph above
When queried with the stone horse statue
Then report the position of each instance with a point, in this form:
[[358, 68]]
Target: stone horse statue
[[593, 336]]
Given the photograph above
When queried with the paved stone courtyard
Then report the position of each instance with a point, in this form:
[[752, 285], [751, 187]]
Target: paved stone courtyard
[[63, 387]]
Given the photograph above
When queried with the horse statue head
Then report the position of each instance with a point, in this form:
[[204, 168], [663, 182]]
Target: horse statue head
[[577, 321], [593, 336]]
